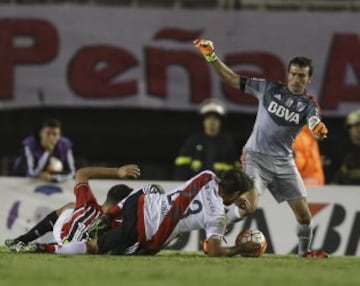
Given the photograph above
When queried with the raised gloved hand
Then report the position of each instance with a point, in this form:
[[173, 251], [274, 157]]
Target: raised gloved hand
[[318, 128], [206, 47], [320, 131], [99, 226]]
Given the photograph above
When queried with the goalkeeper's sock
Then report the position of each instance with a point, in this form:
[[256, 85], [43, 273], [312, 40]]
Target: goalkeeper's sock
[[304, 233], [44, 226], [73, 247]]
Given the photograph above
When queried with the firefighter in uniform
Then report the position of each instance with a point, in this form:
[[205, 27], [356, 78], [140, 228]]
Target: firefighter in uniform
[[209, 150]]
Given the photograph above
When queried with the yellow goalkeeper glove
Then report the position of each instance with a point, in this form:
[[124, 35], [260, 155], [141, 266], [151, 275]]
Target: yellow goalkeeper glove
[[318, 128], [206, 47]]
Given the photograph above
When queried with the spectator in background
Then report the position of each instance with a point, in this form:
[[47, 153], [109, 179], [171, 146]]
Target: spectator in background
[[349, 172], [46, 155], [308, 159], [209, 150]]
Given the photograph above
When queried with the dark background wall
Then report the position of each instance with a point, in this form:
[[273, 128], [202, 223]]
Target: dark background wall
[[150, 138]]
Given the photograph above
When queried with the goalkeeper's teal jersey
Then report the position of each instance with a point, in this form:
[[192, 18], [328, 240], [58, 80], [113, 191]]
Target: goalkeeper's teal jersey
[[280, 116]]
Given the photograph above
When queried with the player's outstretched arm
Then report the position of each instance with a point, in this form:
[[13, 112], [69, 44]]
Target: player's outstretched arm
[[128, 171], [207, 49]]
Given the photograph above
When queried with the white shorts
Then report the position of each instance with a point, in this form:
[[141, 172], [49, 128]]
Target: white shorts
[[62, 219], [279, 175]]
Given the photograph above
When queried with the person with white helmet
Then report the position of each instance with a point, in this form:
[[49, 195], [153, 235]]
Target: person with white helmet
[[210, 149]]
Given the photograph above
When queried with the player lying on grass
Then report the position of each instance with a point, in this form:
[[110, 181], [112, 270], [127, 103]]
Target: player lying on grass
[[72, 221], [151, 220], [283, 109], [23, 243]]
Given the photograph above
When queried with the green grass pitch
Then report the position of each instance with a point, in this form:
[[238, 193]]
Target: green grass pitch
[[175, 268]]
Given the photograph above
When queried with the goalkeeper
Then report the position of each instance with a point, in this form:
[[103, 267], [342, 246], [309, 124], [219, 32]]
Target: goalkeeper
[[267, 157]]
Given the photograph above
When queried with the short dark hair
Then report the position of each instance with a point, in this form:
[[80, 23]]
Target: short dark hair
[[51, 122], [302, 62], [235, 181], [117, 193]]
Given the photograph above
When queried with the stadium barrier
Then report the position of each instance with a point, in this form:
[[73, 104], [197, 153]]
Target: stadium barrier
[[336, 214]]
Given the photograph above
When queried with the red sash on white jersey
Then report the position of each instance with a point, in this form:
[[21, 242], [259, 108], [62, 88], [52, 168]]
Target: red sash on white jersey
[[173, 216]]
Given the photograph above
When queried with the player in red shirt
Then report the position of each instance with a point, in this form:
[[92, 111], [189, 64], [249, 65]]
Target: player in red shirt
[[75, 222]]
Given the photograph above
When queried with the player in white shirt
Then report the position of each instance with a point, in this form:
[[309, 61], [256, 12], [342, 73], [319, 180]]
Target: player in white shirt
[[267, 157], [151, 220]]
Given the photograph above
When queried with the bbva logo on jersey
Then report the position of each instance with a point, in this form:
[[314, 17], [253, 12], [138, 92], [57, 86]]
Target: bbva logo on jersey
[[283, 112]]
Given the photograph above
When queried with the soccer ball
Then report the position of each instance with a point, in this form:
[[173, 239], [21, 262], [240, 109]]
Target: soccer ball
[[55, 165], [253, 243]]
